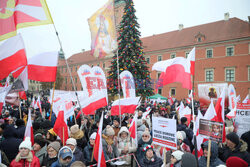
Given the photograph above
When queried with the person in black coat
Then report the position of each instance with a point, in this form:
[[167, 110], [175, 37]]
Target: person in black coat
[[88, 150], [234, 147], [20, 130], [246, 138], [10, 144], [150, 159]]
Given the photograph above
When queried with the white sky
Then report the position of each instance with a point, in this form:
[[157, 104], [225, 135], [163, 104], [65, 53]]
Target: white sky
[[155, 17]]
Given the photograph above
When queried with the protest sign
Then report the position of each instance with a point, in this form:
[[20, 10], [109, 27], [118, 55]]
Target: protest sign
[[164, 132], [211, 129], [242, 123]]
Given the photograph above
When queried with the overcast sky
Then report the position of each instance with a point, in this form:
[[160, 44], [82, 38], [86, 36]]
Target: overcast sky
[[154, 17]]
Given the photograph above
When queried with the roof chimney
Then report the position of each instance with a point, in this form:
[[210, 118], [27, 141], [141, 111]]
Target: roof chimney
[[226, 16], [180, 27]]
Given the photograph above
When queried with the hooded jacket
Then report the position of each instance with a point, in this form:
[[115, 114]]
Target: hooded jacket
[[10, 144], [214, 160], [87, 154], [155, 162], [128, 142], [30, 161], [239, 151]]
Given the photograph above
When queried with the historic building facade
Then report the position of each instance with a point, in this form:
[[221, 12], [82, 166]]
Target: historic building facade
[[222, 56]]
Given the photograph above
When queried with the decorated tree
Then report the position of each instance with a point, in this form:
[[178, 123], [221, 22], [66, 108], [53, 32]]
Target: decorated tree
[[130, 55]]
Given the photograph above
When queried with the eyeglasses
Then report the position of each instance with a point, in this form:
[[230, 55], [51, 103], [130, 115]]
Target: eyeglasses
[[144, 136]]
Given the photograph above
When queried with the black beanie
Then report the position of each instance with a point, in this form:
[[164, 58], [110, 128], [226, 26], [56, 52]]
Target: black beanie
[[233, 137], [39, 140]]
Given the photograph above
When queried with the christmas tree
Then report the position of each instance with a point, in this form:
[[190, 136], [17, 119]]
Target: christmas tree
[[130, 55]]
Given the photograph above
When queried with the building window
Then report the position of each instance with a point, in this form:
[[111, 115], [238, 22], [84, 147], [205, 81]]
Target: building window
[[172, 91], [209, 53], [75, 79], [248, 73], [160, 91], [76, 68], [65, 80], [159, 58], [209, 73], [186, 54], [199, 39], [65, 69], [230, 74], [148, 60], [230, 51], [103, 65], [173, 55]]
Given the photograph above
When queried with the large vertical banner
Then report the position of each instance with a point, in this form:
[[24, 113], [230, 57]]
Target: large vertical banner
[[207, 92], [242, 123], [103, 33], [128, 84], [164, 132]]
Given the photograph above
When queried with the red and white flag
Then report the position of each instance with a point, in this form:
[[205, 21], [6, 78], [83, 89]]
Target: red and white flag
[[146, 113], [189, 99], [211, 113], [38, 104], [61, 128], [186, 112], [191, 58], [22, 13], [43, 67], [29, 129], [133, 128], [170, 99], [232, 102], [33, 102], [220, 112], [127, 105], [12, 55], [238, 99], [3, 93], [128, 84], [175, 70], [246, 100], [98, 150]]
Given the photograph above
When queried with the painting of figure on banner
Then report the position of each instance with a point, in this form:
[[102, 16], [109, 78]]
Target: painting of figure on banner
[[103, 34], [211, 129]]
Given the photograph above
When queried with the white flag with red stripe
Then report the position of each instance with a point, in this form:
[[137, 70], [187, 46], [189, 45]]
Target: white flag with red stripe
[[127, 105], [211, 113], [246, 100], [189, 99], [38, 104], [133, 128], [12, 55], [186, 112], [146, 113], [232, 102], [3, 93], [29, 129], [170, 99], [174, 70], [128, 84], [98, 149], [191, 58]]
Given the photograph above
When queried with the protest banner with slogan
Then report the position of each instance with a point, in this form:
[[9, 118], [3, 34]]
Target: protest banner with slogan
[[207, 92], [164, 132], [211, 129], [242, 123]]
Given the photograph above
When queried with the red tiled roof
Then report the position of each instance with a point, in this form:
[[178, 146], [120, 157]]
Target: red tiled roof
[[216, 31]]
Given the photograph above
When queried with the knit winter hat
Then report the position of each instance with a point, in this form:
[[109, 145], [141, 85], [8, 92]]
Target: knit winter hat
[[177, 154], [75, 132], [93, 136], [188, 160], [26, 144], [55, 145], [71, 141], [236, 161], [109, 131], [233, 137], [146, 148]]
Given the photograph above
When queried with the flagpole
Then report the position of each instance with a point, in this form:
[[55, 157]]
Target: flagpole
[[50, 114], [64, 59]]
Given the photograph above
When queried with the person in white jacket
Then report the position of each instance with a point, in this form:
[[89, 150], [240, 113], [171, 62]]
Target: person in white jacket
[[125, 145]]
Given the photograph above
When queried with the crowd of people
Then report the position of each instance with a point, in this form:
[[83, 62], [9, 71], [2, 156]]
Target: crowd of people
[[48, 150]]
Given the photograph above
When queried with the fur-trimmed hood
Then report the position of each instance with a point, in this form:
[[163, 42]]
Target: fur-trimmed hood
[[242, 146]]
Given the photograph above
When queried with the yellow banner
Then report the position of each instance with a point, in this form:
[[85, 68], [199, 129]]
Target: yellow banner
[[103, 33]]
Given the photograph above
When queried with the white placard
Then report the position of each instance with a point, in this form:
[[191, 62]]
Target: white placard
[[164, 132], [242, 123]]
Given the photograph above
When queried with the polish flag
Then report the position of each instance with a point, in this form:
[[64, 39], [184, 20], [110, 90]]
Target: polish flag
[[29, 129], [43, 67], [133, 128], [211, 113], [170, 99], [61, 128], [186, 112], [220, 112], [38, 104], [33, 102], [12, 56], [191, 58], [22, 95], [189, 99], [127, 105], [246, 100], [7, 82], [128, 84], [175, 70], [232, 102], [145, 114], [98, 150], [238, 99], [3, 93]]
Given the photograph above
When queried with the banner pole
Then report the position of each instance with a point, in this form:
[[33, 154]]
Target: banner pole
[[65, 59], [209, 153], [50, 114], [63, 136], [118, 77]]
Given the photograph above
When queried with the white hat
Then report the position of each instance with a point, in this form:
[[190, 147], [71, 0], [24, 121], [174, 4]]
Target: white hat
[[179, 135], [109, 131], [26, 144], [177, 154], [71, 141], [93, 136]]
